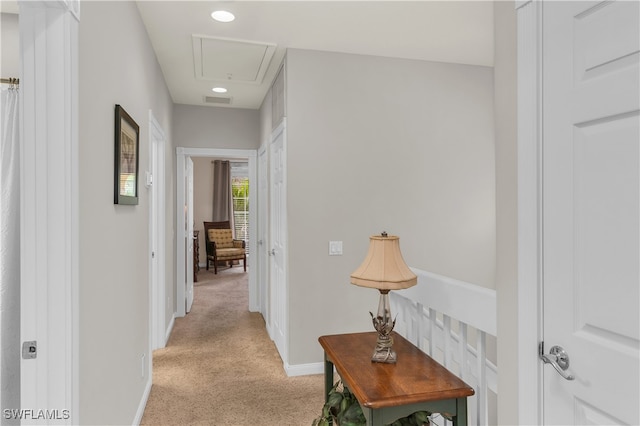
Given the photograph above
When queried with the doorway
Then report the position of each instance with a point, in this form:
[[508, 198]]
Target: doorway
[[182, 174]]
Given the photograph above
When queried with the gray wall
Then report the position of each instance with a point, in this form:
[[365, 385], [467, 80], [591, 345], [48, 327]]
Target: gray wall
[[10, 45], [202, 200], [216, 127], [505, 79], [116, 67], [383, 144]]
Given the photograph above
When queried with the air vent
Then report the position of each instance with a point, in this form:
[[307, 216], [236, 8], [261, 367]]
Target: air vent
[[217, 100]]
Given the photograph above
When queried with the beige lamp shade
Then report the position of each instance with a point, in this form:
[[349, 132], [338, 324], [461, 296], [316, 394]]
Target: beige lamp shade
[[384, 268]]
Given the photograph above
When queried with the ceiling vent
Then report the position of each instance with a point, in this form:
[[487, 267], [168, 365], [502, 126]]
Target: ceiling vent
[[217, 100], [231, 60]]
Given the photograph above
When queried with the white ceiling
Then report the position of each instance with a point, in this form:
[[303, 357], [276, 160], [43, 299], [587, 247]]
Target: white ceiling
[[444, 31]]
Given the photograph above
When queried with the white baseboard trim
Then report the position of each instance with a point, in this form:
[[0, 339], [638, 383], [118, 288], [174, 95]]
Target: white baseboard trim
[[143, 403], [169, 329], [304, 369]]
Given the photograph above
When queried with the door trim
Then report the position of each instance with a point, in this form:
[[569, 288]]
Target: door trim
[[262, 263], [181, 154], [530, 313], [189, 228], [157, 289]]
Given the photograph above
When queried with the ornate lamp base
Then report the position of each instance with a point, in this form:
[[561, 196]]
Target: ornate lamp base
[[384, 351], [383, 324]]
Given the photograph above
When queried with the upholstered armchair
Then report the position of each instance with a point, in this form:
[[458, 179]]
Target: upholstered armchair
[[222, 247]]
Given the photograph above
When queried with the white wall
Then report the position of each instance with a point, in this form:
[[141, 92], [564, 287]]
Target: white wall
[[265, 120], [383, 144], [116, 66], [506, 207]]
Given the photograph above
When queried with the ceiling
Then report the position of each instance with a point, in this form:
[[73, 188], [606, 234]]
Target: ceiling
[[444, 31], [197, 53]]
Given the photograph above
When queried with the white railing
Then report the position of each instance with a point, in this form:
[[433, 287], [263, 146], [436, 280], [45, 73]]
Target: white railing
[[241, 225], [450, 320]]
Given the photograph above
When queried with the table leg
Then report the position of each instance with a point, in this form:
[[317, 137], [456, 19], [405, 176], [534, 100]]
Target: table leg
[[460, 419], [328, 377]]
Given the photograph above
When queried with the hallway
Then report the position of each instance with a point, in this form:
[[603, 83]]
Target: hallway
[[221, 368]]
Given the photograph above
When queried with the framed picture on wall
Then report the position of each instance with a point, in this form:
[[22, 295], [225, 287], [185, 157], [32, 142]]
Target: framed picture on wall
[[127, 141]]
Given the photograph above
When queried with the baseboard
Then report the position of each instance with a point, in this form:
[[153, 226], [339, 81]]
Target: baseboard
[[269, 331], [169, 329], [304, 369], [143, 403]]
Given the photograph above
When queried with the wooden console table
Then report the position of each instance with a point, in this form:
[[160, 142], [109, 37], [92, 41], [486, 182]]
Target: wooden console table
[[387, 392]]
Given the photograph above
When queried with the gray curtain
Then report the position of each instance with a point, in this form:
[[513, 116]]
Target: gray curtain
[[222, 196]]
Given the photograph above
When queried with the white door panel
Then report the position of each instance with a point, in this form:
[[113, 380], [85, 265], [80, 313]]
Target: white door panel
[[278, 240], [591, 215]]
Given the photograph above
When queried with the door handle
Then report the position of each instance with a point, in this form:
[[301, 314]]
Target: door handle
[[559, 359]]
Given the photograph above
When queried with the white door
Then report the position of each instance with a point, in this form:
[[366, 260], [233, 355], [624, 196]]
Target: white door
[[263, 232], [188, 240], [591, 217], [278, 240]]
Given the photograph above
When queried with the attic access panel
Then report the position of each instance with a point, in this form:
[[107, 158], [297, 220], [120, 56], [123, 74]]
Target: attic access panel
[[228, 59]]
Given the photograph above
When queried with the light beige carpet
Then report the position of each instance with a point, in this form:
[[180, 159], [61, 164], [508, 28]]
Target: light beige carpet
[[220, 367]]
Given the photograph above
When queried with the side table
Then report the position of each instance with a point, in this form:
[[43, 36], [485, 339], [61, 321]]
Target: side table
[[387, 392]]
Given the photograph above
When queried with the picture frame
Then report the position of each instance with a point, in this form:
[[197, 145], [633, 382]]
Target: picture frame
[[127, 158]]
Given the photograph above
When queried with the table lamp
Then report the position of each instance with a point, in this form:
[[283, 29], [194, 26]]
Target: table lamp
[[384, 269]]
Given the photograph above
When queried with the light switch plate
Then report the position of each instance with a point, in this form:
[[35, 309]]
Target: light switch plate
[[335, 248]]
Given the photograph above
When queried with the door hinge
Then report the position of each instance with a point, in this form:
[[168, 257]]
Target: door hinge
[[29, 349]]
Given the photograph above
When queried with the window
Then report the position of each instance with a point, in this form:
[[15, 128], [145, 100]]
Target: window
[[240, 194]]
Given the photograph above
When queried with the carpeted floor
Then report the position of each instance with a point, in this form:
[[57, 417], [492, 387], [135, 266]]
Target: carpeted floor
[[220, 367]]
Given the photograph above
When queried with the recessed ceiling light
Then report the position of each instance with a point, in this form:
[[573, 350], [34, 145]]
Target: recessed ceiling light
[[223, 16], [219, 90]]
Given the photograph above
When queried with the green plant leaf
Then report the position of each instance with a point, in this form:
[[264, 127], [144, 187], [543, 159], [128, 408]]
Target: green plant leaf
[[352, 414], [350, 423], [421, 417], [326, 411], [334, 399]]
